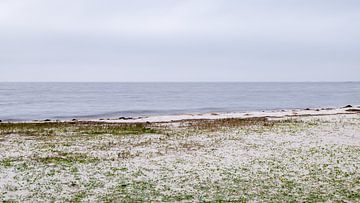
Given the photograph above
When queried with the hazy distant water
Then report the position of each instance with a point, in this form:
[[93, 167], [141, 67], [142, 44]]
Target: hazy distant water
[[28, 101]]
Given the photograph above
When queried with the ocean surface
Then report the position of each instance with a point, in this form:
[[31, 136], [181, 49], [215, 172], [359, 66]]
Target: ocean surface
[[30, 101]]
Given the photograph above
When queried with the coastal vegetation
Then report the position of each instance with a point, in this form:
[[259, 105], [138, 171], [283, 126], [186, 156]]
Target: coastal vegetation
[[310, 159]]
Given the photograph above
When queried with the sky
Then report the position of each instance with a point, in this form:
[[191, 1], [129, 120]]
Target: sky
[[179, 40]]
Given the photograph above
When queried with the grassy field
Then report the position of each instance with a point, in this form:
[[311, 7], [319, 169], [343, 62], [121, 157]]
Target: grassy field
[[312, 159]]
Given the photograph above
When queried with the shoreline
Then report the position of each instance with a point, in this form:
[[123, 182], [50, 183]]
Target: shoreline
[[271, 114], [237, 115]]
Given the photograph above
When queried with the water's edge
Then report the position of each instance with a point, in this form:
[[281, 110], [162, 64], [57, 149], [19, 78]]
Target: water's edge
[[84, 101]]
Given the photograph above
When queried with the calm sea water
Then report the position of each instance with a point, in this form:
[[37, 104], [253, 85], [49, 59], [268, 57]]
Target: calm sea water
[[29, 101]]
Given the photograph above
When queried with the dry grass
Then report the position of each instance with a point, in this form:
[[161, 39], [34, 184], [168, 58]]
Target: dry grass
[[209, 125], [79, 128]]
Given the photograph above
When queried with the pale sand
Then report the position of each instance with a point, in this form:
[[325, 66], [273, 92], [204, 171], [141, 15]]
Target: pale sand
[[268, 114]]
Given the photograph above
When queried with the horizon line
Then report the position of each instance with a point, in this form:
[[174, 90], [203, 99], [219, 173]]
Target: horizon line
[[180, 81]]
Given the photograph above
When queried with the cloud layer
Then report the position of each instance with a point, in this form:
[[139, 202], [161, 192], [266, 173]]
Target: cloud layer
[[182, 40]]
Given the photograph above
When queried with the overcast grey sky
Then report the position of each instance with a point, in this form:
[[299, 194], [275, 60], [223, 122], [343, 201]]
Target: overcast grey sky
[[180, 40]]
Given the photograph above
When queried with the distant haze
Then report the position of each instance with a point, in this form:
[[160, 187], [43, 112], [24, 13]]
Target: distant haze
[[180, 40]]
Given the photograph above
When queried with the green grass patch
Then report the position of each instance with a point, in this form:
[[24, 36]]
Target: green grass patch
[[67, 159], [7, 162]]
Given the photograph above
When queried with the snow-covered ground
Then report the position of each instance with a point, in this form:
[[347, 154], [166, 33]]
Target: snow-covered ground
[[289, 158]]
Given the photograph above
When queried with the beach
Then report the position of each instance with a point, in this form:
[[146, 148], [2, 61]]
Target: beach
[[303, 155], [179, 101]]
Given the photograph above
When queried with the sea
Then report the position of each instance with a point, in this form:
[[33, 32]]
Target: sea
[[37, 101]]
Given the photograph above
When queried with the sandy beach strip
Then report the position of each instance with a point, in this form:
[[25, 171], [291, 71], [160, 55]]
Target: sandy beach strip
[[256, 114]]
